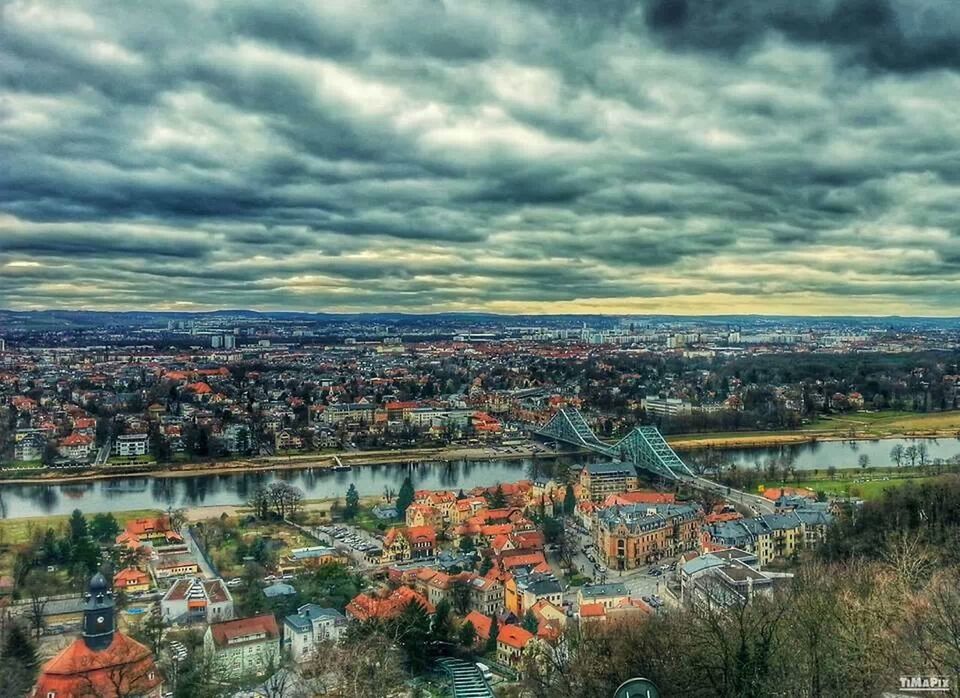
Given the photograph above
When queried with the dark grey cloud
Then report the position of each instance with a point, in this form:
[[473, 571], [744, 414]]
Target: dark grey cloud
[[897, 35], [673, 156]]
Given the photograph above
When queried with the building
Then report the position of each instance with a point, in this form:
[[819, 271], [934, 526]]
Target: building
[[665, 406], [131, 445], [29, 444], [635, 535], [598, 480], [197, 600], [244, 647], [101, 662], [367, 606], [607, 595], [511, 642], [773, 535], [131, 581], [723, 580], [76, 447], [409, 543], [311, 625]]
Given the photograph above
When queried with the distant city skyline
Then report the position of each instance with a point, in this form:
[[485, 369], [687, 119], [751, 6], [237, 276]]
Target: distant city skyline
[[516, 157]]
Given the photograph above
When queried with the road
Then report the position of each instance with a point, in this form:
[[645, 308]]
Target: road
[[195, 549], [759, 505]]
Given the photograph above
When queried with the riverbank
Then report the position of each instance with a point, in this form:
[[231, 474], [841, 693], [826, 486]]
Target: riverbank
[[437, 456], [857, 426]]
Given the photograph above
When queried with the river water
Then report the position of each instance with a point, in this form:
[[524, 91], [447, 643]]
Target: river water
[[145, 492]]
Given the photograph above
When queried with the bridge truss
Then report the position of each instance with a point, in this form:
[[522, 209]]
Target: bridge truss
[[645, 447]]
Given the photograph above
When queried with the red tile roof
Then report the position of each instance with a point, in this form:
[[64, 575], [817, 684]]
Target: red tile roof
[[481, 624], [80, 671], [514, 636], [233, 630]]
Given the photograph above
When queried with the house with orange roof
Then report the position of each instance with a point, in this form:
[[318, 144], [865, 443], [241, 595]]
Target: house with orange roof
[[512, 640], [75, 447], [424, 515], [131, 580], [481, 623], [243, 647], [402, 544], [551, 619], [467, 508], [591, 612], [367, 606], [638, 497]]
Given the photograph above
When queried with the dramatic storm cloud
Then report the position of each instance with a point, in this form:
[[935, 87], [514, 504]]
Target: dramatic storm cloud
[[679, 156]]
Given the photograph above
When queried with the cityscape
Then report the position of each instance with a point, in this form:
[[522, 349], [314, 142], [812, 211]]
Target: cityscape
[[516, 349]]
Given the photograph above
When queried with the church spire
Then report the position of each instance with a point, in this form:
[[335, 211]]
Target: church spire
[[98, 614]]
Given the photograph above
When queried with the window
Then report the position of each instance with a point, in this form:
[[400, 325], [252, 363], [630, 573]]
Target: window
[[51, 694]]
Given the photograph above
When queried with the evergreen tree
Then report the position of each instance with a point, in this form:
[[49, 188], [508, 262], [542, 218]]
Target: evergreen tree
[[352, 502], [486, 564], [467, 545], [569, 501], [405, 496], [412, 630], [491, 646], [498, 500], [78, 527], [104, 527], [20, 650], [441, 630], [530, 622]]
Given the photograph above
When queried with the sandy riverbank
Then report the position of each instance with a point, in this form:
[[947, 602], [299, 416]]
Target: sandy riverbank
[[686, 442]]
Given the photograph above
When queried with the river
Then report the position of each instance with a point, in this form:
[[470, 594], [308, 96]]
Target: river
[[820, 455], [145, 492]]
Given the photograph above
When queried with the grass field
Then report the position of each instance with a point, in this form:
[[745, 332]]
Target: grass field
[[855, 483], [16, 531]]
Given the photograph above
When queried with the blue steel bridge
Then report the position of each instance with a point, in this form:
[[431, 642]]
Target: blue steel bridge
[[646, 448]]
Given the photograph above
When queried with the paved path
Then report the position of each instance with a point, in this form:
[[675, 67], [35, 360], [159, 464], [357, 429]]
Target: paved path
[[195, 549]]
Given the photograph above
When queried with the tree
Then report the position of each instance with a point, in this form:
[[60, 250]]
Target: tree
[[39, 584], [104, 527], [467, 545], [863, 461], [388, 494], [569, 501], [897, 454], [530, 622], [467, 635], [460, 596], [149, 631], [911, 453], [352, 506], [78, 526], [18, 649], [412, 631], [832, 472], [405, 496], [491, 645], [497, 499], [441, 629]]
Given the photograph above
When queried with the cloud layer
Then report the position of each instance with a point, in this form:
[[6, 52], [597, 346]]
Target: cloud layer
[[677, 156]]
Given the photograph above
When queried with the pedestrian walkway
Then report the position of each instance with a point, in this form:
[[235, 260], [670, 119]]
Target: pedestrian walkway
[[468, 682]]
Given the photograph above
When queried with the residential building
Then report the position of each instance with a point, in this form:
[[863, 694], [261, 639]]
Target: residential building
[[409, 543], [131, 581], [244, 647], [607, 595], [599, 480], [311, 625], [193, 600], [512, 640], [630, 536], [131, 445]]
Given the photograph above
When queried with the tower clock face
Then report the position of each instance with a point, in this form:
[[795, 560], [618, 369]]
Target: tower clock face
[[100, 620]]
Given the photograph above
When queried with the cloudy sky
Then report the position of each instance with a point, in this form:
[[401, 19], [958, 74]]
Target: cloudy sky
[[673, 156]]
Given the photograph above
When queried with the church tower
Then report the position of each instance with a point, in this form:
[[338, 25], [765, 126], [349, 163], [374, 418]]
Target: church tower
[[98, 614]]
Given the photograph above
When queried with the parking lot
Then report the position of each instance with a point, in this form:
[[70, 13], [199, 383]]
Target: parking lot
[[358, 544]]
